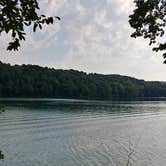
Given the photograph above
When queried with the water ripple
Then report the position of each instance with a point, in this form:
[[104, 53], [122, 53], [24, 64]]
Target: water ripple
[[83, 133]]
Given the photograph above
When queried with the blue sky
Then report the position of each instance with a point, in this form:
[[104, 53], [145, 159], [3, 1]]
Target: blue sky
[[93, 36]]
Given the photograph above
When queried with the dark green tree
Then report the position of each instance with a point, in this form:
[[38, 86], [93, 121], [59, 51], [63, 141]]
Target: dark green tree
[[15, 15], [35, 81], [149, 21]]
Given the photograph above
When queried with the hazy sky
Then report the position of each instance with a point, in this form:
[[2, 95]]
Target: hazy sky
[[93, 36]]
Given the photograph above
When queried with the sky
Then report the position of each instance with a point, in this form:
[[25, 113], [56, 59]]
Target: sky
[[93, 36]]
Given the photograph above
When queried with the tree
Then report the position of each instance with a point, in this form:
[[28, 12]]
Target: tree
[[149, 21], [15, 15]]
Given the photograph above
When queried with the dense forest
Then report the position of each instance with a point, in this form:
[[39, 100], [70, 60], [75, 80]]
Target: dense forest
[[36, 81]]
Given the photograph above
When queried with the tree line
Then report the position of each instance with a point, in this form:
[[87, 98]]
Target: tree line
[[36, 81]]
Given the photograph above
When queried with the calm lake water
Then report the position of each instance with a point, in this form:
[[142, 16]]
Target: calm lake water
[[83, 133]]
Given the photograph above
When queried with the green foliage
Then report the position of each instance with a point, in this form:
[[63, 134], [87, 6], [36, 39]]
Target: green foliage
[[2, 109], [1, 155], [36, 81], [15, 15], [149, 20]]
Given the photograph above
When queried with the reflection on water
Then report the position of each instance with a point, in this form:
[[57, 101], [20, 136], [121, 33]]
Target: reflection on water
[[83, 133]]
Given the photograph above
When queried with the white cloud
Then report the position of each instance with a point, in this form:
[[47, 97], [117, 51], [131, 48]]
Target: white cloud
[[102, 20], [121, 6]]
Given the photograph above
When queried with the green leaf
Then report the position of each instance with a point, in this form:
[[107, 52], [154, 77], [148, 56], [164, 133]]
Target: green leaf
[[34, 27]]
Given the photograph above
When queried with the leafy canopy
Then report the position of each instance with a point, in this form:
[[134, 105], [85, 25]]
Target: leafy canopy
[[149, 21], [15, 15]]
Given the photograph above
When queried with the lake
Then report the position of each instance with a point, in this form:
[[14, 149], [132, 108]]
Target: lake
[[48, 132]]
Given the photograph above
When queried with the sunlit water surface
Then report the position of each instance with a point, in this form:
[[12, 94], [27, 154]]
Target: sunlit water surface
[[83, 133]]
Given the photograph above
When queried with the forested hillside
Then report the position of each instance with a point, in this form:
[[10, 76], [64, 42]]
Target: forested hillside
[[36, 81]]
